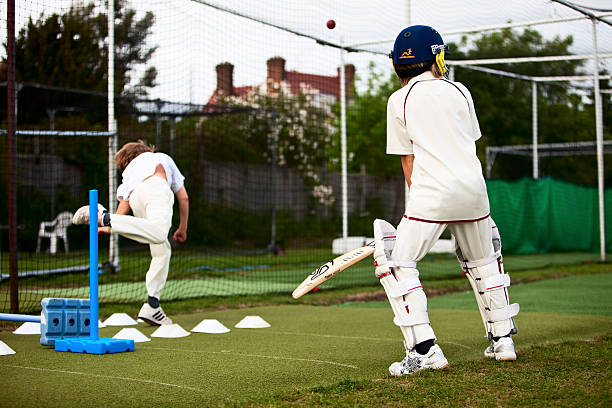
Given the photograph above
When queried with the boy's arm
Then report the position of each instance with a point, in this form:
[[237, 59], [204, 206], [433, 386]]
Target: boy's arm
[[180, 235], [407, 162], [123, 208]]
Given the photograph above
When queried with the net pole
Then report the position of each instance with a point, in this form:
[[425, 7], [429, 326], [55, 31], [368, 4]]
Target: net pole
[[534, 128], [113, 247], [599, 139], [11, 120], [343, 146]]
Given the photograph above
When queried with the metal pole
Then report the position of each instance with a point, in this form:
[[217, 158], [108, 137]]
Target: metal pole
[[113, 248], [171, 136], [51, 113], [599, 139], [408, 13], [272, 247], [11, 122], [343, 146], [534, 128]]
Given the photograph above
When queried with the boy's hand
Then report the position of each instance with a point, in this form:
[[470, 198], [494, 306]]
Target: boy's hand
[[104, 230], [180, 235]]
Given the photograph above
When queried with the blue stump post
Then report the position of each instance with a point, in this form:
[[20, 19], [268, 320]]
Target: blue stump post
[[93, 264], [93, 344]]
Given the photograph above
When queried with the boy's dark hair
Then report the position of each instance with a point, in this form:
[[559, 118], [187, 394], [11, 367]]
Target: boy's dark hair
[[130, 151], [407, 71]]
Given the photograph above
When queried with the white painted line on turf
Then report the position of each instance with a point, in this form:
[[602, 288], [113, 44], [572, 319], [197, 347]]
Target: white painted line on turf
[[112, 377], [255, 355]]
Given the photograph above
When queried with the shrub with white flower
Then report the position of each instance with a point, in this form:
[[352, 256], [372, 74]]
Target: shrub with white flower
[[300, 125]]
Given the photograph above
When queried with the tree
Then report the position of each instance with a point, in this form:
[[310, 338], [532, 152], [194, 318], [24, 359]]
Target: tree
[[289, 129], [70, 51]]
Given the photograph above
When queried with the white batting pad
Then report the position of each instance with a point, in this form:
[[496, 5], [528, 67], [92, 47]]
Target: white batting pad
[[212, 326], [120, 319], [100, 324], [131, 334], [252, 322], [170, 331], [28, 328], [5, 350]]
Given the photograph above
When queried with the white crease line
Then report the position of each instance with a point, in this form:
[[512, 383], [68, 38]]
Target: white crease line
[[104, 376], [255, 355]]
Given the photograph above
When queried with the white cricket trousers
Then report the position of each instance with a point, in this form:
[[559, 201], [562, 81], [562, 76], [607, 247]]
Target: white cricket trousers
[[416, 238], [151, 202]]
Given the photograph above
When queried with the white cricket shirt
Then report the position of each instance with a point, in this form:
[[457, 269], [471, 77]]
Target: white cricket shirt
[[435, 120], [142, 167]]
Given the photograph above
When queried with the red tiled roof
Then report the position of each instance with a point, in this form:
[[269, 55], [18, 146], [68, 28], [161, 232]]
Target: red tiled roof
[[238, 91], [329, 85]]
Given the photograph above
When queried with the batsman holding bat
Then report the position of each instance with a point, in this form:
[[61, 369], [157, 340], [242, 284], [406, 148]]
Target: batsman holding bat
[[432, 126]]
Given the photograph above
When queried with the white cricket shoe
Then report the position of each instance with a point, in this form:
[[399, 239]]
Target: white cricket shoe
[[434, 359], [501, 350], [153, 316], [81, 216]]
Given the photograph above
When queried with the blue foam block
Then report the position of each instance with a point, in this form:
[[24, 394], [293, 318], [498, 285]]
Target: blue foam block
[[94, 346], [63, 318]]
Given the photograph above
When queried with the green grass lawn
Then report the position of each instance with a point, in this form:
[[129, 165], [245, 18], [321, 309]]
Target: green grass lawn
[[337, 355]]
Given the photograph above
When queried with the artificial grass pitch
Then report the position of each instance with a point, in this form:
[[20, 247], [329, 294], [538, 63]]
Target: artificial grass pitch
[[306, 348]]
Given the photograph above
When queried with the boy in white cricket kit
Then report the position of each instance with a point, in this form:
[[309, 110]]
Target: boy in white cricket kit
[[150, 182], [432, 126]]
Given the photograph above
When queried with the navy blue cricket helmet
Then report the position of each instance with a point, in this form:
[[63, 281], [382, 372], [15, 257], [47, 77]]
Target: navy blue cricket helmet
[[417, 43]]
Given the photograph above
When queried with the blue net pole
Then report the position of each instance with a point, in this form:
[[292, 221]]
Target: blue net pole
[[93, 264]]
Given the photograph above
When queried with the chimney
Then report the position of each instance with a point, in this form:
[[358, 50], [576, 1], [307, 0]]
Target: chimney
[[225, 79], [349, 79], [276, 69]]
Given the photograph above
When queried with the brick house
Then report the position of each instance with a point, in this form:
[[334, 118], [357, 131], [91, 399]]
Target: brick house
[[328, 86]]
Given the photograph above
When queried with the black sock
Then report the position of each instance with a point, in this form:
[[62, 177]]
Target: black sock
[[153, 302], [496, 339], [424, 346], [106, 219]]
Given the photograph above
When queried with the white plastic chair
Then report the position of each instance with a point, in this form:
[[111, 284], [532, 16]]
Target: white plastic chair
[[55, 229]]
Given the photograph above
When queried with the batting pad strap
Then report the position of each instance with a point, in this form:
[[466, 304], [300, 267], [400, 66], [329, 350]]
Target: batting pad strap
[[481, 262], [493, 282], [402, 264], [411, 319], [503, 313], [397, 288]]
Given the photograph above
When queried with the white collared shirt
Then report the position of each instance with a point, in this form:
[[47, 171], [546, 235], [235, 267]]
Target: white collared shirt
[[142, 167], [435, 120]]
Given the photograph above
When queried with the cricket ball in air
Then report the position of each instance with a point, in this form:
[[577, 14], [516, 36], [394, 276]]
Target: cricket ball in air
[[331, 24]]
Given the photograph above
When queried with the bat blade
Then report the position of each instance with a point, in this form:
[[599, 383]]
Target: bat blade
[[330, 269]]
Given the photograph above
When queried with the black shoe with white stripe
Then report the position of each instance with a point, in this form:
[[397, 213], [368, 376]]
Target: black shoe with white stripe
[[153, 316]]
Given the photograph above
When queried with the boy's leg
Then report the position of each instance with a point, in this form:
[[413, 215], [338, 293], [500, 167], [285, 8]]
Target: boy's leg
[[479, 252], [400, 278], [158, 269]]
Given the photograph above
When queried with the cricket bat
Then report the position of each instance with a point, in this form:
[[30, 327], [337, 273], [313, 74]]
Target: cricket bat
[[330, 269]]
